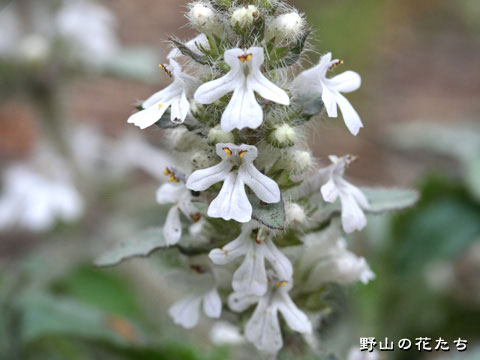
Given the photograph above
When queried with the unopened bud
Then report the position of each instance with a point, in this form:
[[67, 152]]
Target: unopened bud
[[203, 159], [286, 27], [217, 135], [284, 135], [244, 17], [301, 161], [203, 18], [295, 214]]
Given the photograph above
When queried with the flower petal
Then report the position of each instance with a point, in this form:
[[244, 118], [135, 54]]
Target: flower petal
[[240, 302], [172, 230], [186, 312], [180, 108], [263, 328], [202, 179], [353, 217], [231, 251], [267, 89], [170, 193], [329, 98], [149, 116], [251, 276], [232, 201], [295, 318], [265, 188], [279, 262], [347, 81], [330, 191], [212, 304], [242, 110], [350, 116], [357, 194]]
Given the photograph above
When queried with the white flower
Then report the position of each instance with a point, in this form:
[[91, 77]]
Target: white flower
[[251, 276], [244, 79], [35, 202], [174, 96], [235, 170], [177, 194], [352, 199], [186, 312], [335, 263], [200, 40], [315, 79], [263, 328]]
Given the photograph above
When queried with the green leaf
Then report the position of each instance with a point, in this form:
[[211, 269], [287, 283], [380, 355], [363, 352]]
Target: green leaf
[[201, 59], [296, 50], [270, 215], [310, 105], [45, 315], [165, 121], [472, 177], [386, 200], [140, 246], [290, 238]]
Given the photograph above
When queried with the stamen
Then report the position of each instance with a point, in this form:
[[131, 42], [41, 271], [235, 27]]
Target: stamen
[[280, 284], [228, 151], [196, 217], [167, 172], [164, 68], [336, 63], [242, 153], [350, 159], [247, 57], [160, 106]]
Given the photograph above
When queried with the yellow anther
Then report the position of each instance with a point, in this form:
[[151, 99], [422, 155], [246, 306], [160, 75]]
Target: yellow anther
[[160, 106], [227, 151], [336, 63], [243, 58], [164, 68], [167, 172], [351, 158], [242, 153], [280, 284]]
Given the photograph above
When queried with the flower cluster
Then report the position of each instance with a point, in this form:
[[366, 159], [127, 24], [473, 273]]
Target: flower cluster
[[248, 186]]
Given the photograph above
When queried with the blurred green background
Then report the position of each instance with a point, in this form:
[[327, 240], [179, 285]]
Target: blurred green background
[[419, 61]]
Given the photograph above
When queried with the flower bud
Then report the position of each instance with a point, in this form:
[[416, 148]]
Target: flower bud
[[203, 18], [295, 214], [283, 135], [203, 159], [301, 161], [181, 139], [286, 27], [244, 17], [216, 135]]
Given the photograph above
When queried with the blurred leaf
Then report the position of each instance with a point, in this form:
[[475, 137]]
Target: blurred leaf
[[44, 315], [270, 215], [103, 289], [386, 200], [473, 175], [441, 226], [138, 246]]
